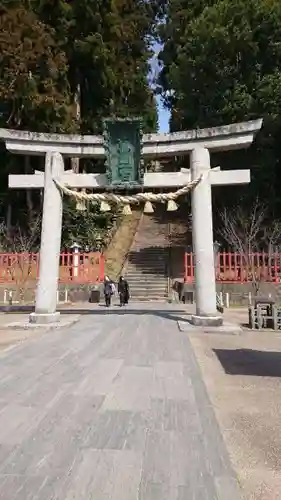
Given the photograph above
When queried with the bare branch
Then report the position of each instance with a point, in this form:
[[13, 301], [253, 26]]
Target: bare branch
[[250, 233], [17, 241]]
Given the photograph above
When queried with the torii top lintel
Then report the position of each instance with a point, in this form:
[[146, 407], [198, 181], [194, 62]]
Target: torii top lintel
[[228, 137]]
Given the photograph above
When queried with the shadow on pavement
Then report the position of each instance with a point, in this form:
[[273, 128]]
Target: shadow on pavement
[[250, 362], [174, 315], [17, 309]]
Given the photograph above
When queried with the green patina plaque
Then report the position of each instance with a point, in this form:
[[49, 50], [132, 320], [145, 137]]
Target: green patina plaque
[[123, 152]]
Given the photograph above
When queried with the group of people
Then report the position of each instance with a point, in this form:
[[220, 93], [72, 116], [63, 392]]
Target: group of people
[[110, 289]]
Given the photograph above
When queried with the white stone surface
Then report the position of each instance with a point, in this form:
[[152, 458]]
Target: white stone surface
[[202, 235], [226, 177], [46, 294], [151, 180], [235, 136], [44, 319]]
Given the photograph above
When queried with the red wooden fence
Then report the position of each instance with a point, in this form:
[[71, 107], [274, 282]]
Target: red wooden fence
[[238, 268], [89, 267], [81, 268]]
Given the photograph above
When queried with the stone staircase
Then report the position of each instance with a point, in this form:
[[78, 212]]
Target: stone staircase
[[147, 265], [156, 256]]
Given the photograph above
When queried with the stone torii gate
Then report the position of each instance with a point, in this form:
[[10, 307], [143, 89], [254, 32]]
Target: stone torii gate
[[198, 144]]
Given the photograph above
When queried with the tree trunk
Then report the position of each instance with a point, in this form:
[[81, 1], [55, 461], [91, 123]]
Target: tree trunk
[[77, 103]]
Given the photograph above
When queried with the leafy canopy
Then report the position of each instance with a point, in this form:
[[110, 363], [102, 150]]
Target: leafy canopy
[[221, 64], [34, 91]]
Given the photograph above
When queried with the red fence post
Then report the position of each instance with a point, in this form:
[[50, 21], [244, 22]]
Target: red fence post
[[188, 267], [237, 268]]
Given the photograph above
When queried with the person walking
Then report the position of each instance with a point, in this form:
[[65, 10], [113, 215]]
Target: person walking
[[107, 290], [123, 290]]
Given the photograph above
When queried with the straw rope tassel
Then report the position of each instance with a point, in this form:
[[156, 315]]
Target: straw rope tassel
[[171, 206], [148, 208], [127, 209], [105, 207]]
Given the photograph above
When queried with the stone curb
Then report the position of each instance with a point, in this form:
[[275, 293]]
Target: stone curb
[[226, 328], [23, 325]]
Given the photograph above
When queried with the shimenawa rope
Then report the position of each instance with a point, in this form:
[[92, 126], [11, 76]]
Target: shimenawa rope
[[129, 199]]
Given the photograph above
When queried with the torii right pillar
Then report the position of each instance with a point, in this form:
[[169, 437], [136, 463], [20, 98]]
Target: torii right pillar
[[202, 239], [202, 232]]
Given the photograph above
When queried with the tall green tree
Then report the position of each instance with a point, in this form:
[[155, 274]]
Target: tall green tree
[[224, 68], [107, 43], [63, 67], [34, 95], [34, 89]]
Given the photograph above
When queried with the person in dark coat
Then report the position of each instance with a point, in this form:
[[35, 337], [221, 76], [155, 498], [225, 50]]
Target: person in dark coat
[[123, 290], [107, 290]]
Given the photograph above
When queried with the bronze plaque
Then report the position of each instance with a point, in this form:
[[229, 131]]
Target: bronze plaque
[[123, 152]]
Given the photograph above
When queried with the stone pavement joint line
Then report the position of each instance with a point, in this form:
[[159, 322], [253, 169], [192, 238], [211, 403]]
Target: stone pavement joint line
[[112, 408]]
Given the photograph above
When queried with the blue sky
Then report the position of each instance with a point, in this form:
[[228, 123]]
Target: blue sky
[[163, 114], [163, 117]]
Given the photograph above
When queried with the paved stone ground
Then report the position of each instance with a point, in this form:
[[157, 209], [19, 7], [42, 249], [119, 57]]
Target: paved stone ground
[[112, 408], [10, 337]]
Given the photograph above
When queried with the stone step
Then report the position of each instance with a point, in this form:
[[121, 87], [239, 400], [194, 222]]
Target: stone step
[[156, 259], [147, 254], [148, 286], [149, 289], [150, 242], [144, 257], [149, 297], [149, 250], [146, 272], [152, 286], [147, 265], [161, 261], [138, 278], [148, 283], [147, 246], [145, 277]]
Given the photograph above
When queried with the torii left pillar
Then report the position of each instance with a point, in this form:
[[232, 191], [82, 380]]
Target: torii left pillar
[[46, 293]]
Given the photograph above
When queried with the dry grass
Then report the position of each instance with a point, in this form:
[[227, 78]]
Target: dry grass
[[117, 251]]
